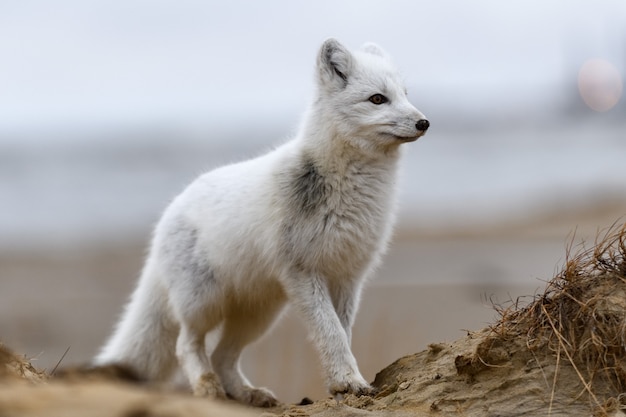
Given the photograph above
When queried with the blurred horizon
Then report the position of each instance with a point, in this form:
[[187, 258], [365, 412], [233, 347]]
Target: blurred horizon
[[109, 108]]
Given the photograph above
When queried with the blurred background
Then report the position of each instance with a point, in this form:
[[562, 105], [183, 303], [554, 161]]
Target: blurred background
[[109, 108]]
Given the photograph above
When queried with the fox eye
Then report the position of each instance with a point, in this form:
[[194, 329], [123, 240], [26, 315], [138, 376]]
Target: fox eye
[[378, 99]]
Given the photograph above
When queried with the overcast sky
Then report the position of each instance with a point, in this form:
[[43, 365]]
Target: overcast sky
[[79, 62]]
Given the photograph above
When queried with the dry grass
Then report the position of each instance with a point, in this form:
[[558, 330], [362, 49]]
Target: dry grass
[[581, 319], [13, 366]]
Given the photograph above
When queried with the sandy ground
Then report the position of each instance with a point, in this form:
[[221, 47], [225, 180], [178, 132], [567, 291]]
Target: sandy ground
[[561, 354], [433, 287]]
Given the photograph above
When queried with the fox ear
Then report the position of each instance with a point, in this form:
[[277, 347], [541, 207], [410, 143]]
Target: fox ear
[[334, 64], [372, 48]]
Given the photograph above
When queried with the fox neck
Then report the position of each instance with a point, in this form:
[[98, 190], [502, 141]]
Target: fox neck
[[339, 152]]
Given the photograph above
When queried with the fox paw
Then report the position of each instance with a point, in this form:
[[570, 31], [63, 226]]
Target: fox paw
[[356, 386], [256, 397], [209, 386]]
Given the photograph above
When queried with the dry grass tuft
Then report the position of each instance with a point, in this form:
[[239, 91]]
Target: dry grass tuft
[[13, 366], [581, 318]]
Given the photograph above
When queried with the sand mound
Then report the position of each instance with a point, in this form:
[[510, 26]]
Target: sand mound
[[562, 353]]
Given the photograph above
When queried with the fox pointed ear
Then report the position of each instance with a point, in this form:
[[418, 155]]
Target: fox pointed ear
[[334, 64], [372, 48]]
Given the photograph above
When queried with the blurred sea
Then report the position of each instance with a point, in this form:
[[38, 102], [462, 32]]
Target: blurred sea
[[106, 187]]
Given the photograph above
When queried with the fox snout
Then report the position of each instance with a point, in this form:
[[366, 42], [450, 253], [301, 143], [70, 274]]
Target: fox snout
[[422, 125]]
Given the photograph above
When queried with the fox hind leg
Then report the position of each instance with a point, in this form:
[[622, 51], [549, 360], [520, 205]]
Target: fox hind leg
[[241, 328], [192, 356], [195, 298]]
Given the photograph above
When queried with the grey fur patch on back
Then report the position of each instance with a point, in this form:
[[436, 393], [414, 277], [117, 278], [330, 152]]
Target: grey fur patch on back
[[181, 247]]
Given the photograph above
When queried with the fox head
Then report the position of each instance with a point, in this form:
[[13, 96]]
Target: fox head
[[362, 95]]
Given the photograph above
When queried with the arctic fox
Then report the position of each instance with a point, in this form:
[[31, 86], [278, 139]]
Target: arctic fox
[[304, 224]]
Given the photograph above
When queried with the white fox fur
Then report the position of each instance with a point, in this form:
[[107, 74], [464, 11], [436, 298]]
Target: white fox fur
[[305, 224]]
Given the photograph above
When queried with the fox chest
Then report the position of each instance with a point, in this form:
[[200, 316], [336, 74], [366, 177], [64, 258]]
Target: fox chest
[[334, 225]]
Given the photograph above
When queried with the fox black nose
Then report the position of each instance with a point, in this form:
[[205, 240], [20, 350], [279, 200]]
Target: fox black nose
[[422, 125]]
